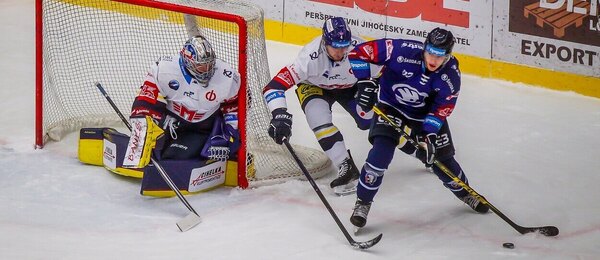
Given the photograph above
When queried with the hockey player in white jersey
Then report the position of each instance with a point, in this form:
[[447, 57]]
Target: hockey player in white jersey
[[189, 103], [323, 76]]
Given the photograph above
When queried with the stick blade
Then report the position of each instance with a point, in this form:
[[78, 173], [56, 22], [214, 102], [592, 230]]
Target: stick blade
[[367, 244], [189, 222], [549, 231]]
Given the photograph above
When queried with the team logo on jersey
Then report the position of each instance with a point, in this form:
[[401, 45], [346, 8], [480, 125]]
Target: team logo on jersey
[[285, 77], [211, 95], [174, 84], [186, 113], [149, 92], [408, 95], [370, 178]]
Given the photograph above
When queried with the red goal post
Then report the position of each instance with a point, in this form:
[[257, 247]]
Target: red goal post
[[80, 42]]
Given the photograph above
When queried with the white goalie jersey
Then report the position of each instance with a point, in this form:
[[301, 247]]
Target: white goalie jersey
[[169, 83]]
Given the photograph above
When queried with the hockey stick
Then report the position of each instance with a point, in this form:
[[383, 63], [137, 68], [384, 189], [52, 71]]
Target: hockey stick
[[545, 230], [192, 219], [355, 244]]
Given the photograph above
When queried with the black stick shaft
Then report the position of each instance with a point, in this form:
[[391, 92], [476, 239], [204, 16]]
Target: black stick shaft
[[362, 245], [546, 230], [160, 169]]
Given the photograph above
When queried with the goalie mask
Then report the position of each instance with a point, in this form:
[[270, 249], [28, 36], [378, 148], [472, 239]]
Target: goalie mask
[[199, 58]]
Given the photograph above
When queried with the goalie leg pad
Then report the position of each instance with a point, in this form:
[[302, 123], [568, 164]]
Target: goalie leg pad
[[90, 146], [105, 147], [190, 176], [144, 134]]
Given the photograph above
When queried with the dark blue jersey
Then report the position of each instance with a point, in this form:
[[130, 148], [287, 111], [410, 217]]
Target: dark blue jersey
[[405, 84]]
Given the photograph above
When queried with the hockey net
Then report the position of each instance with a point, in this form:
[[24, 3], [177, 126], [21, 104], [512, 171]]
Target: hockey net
[[80, 42]]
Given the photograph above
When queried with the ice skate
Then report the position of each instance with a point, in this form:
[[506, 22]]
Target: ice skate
[[359, 215], [347, 179]]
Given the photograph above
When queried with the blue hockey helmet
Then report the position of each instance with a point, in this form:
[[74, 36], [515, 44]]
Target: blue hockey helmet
[[439, 42], [336, 33], [199, 58]]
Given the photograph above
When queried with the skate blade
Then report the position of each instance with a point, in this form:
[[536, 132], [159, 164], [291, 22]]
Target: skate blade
[[345, 190]]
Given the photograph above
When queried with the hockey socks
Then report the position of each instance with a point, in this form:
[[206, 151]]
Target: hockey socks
[[455, 168]]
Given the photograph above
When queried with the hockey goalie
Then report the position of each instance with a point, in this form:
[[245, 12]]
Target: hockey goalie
[[185, 115]]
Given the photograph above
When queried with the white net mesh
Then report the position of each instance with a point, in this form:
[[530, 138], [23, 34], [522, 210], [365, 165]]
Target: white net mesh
[[88, 41]]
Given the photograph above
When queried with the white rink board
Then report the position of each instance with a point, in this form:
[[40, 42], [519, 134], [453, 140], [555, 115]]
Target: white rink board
[[469, 21], [481, 28]]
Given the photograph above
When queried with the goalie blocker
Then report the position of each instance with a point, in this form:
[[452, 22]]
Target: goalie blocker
[[106, 147]]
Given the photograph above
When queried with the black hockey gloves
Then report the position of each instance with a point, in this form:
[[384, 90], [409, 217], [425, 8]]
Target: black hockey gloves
[[366, 94], [281, 125], [427, 153]]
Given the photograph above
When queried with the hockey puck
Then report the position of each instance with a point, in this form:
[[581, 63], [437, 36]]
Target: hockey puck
[[508, 245]]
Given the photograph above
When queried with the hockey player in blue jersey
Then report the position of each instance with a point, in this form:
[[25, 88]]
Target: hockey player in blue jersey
[[418, 89]]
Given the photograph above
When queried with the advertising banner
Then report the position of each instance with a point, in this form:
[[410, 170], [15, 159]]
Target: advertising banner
[[410, 19], [562, 35]]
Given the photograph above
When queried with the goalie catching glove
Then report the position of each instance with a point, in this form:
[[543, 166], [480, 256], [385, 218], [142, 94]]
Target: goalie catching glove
[[144, 134]]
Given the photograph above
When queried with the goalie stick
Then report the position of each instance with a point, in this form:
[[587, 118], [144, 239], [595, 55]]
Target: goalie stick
[[355, 244], [545, 230], [192, 219]]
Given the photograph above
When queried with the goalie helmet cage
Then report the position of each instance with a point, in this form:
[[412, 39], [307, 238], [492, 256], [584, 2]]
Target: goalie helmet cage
[[80, 42]]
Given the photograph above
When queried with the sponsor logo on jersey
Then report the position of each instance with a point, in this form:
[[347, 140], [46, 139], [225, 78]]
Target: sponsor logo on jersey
[[227, 73], [211, 95], [179, 146], [274, 94], [407, 74], [190, 94], [446, 79], [304, 91], [174, 84], [445, 112], [314, 55], [402, 59], [359, 65], [408, 95], [411, 45]]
